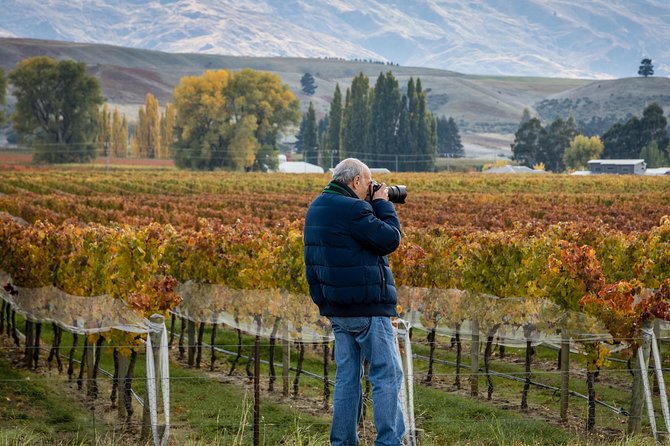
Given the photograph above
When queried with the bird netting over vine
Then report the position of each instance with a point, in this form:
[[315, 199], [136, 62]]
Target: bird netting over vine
[[293, 316], [77, 314]]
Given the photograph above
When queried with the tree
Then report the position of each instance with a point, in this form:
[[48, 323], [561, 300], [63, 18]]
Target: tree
[[422, 130], [356, 118], [653, 127], [308, 84], [104, 130], [526, 146], [384, 113], [554, 141], [167, 130], [231, 119], [3, 92], [628, 139], [525, 116], [581, 150], [310, 136], [137, 147], [119, 140], [57, 108], [653, 156], [646, 68], [147, 139], [448, 140], [334, 131]]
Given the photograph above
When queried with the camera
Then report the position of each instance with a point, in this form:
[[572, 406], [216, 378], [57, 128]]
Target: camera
[[397, 193]]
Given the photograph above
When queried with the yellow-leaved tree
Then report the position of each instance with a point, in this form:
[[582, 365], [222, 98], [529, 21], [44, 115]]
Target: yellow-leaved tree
[[581, 150], [147, 140], [119, 140], [231, 120]]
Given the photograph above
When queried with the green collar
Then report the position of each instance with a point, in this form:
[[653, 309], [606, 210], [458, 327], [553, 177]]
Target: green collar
[[335, 187]]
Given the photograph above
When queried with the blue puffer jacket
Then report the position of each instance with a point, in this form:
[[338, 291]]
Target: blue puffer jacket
[[346, 243]]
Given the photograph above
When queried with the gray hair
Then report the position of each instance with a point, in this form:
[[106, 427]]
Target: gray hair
[[346, 170]]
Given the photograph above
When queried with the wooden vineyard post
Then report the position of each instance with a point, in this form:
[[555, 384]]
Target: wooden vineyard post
[[474, 359], [565, 373], [121, 380], [257, 393], [192, 342], [286, 360]]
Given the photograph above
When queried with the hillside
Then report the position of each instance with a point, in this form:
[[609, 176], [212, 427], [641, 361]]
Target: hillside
[[480, 104]]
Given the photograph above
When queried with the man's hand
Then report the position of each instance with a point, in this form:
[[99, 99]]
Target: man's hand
[[382, 193]]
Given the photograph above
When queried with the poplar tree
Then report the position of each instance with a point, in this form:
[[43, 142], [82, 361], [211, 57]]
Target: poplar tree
[[119, 139], [310, 136], [167, 130], [138, 145], [152, 126], [335, 126], [356, 119], [104, 130]]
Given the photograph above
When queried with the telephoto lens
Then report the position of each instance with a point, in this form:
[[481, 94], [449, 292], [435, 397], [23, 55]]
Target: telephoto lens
[[397, 194]]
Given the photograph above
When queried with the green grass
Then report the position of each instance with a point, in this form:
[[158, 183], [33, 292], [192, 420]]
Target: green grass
[[31, 403], [210, 408]]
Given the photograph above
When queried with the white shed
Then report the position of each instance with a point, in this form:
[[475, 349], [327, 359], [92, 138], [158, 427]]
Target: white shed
[[299, 167]]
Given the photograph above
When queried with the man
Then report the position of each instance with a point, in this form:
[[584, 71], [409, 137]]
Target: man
[[347, 240]]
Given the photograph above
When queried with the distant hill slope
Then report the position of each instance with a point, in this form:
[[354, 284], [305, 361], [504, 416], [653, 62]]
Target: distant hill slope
[[480, 104]]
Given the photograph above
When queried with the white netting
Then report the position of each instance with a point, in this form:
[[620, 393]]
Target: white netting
[[266, 313], [98, 314]]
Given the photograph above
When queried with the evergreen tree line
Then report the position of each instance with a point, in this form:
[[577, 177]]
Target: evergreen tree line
[[378, 125], [637, 138]]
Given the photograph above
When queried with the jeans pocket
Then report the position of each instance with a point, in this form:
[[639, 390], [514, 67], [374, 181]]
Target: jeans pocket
[[351, 324]]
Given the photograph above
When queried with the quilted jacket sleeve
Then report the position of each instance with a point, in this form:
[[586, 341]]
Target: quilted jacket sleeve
[[376, 226]]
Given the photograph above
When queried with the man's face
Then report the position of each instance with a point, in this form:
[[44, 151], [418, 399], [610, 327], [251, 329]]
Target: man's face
[[361, 184]]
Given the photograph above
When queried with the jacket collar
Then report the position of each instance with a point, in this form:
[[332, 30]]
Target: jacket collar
[[335, 187]]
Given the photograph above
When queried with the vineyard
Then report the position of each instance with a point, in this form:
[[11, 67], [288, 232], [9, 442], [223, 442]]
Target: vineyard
[[543, 297]]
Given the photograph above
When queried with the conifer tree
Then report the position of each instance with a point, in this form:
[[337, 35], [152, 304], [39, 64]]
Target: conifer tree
[[310, 136], [448, 140], [334, 131], [325, 154], [356, 119], [425, 133], [384, 115], [308, 84], [3, 93]]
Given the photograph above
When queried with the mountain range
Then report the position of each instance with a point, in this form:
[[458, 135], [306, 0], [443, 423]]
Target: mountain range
[[594, 39]]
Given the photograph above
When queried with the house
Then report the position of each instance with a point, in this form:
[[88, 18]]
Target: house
[[632, 166]]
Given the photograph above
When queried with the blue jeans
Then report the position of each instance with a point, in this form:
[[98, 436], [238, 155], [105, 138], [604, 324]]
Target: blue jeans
[[371, 338]]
